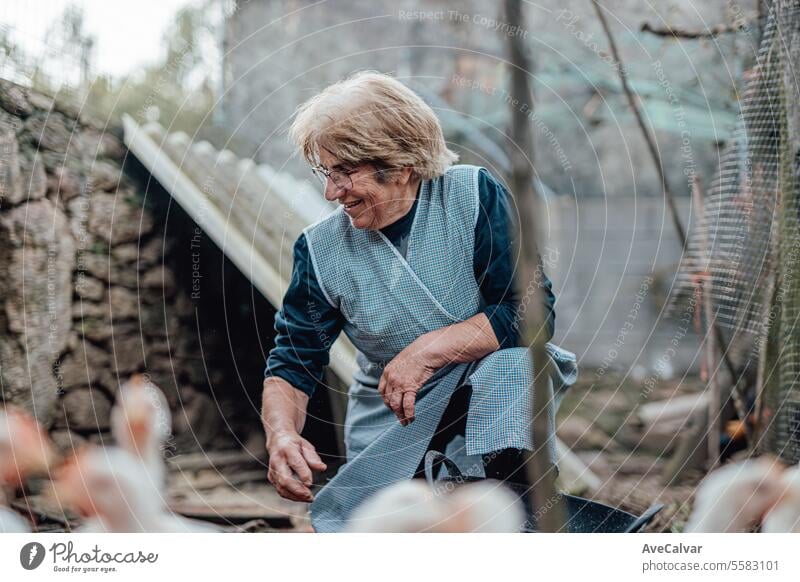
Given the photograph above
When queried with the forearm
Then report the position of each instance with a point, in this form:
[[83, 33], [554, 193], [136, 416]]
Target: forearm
[[466, 341], [283, 407]]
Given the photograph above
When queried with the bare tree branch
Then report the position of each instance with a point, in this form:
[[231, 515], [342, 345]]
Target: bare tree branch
[[712, 32], [651, 145]]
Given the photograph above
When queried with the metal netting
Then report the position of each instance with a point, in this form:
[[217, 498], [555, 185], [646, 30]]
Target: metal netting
[[746, 239]]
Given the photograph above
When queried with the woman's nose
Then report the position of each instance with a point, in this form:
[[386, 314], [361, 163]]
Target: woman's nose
[[332, 191]]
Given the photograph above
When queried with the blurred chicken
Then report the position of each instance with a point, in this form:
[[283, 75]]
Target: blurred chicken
[[12, 522], [784, 517], [408, 506], [114, 491], [412, 506], [25, 450], [736, 496], [486, 507], [141, 424]]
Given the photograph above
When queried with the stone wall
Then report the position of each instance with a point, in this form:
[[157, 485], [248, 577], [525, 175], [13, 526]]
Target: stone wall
[[88, 290]]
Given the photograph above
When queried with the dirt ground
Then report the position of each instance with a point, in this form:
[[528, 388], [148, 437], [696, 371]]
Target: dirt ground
[[598, 420]]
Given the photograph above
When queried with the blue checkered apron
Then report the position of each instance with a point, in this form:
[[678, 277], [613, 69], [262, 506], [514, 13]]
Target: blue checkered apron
[[388, 301]]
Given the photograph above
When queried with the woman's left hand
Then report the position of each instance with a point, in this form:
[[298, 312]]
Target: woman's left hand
[[466, 341], [403, 377]]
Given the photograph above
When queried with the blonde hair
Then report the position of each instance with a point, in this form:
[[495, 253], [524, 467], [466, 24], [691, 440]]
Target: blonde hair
[[372, 118]]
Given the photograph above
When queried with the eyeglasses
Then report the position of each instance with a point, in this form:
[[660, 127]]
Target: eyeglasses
[[340, 178]]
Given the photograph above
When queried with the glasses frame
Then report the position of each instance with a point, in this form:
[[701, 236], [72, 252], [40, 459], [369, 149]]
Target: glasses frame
[[341, 178]]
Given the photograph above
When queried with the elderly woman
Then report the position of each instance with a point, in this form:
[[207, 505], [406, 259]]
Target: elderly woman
[[415, 266]]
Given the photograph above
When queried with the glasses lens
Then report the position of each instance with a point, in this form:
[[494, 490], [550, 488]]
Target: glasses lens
[[341, 180]]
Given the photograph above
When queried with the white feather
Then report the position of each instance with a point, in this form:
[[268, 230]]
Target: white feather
[[412, 506], [11, 522], [123, 497], [143, 400], [785, 516], [735, 496]]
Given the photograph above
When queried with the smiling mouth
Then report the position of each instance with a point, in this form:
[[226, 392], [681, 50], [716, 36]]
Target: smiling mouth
[[352, 204]]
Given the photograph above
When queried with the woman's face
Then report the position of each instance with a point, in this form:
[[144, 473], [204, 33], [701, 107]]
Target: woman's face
[[370, 204]]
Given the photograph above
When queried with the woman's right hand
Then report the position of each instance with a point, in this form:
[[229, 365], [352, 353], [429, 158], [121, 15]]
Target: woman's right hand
[[291, 461]]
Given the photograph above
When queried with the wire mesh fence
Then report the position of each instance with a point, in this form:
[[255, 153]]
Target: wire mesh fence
[[744, 246]]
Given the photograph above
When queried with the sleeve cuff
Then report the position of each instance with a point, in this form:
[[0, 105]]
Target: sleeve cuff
[[504, 320], [501, 318], [303, 382]]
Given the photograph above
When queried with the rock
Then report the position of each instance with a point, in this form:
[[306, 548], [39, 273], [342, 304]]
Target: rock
[[122, 328], [156, 348], [27, 382], [112, 147], [50, 131], [11, 191], [81, 367], [128, 355], [99, 144], [95, 329], [22, 175], [152, 253], [124, 303], [104, 176], [122, 341], [160, 278], [33, 178], [63, 183], [40, 101], [66, 442], [89, 310], [70, 108], [142, 256], [14, 99], [100, 267], [89, 288], [37, 257], [10, 123], [86, 410], [78, 212], [126, 254], [71, 160], [116, 220]]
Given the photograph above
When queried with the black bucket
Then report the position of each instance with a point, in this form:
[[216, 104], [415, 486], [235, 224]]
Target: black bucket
[[582, 515]]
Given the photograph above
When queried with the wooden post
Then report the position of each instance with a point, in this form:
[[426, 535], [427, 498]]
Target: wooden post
[[710, 346], [541, 471], [714, 404]]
